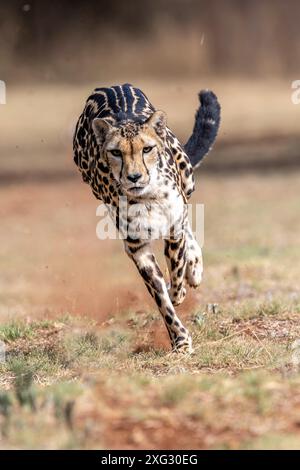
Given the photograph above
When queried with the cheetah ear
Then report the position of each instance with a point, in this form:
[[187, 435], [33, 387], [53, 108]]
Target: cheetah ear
[[101, 128], [158, 121]]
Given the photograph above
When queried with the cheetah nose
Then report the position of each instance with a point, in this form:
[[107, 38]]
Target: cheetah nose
[[134, 177]]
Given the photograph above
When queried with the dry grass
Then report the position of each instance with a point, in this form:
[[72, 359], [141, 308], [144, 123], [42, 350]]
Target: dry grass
[[87, 367], [87, 356], [87, 362], [76, 384]]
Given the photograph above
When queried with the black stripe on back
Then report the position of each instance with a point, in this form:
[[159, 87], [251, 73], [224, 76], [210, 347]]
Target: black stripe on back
[[124, 102]]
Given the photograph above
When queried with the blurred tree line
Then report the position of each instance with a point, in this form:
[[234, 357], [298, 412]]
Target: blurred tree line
[[63, 40]]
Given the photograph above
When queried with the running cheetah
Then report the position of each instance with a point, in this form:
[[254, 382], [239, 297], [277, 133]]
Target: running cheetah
[[123, 148]]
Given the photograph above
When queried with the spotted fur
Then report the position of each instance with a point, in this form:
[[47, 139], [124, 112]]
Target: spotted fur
[[123, 147]]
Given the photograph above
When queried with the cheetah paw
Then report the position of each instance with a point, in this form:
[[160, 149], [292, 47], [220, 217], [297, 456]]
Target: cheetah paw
[[177, 297], [184, 348], [193, 275]]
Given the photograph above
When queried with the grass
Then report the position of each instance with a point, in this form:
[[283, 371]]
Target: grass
[[71, 382], [15, 330], [87, 384], [87, 359]]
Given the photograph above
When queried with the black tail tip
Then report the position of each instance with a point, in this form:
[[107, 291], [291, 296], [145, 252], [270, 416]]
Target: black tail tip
[[208, 98], [207, 122]]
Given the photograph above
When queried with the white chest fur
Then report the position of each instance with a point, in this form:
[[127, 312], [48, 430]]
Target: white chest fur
[[157, 218]]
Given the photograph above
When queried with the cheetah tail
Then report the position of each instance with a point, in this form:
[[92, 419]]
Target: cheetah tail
[[205, 129]]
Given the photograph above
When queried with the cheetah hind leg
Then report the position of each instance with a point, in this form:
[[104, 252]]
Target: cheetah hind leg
[[194, 265]]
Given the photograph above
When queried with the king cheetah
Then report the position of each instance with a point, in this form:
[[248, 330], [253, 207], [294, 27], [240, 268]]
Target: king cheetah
[[124, 148]]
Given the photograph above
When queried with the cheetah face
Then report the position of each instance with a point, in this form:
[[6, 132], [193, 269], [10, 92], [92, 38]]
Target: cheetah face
[[133, 151]]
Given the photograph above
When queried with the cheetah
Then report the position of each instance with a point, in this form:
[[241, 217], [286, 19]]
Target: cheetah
[[124, 148]]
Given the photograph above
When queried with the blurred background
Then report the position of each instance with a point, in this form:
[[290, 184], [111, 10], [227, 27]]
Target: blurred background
[[95, 40], [52, 54]]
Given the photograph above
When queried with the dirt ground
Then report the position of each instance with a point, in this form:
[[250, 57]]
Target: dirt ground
[[87, 356], [62, 286], [48, 238]]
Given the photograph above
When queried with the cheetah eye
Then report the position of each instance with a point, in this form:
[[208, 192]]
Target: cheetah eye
[[116, 153], [147, 149]]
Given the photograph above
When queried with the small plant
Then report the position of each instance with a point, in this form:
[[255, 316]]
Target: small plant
[[5, 411], [15, 330], [269, 308], [23, 384], [255, 390], [175, 392], [5, 404]]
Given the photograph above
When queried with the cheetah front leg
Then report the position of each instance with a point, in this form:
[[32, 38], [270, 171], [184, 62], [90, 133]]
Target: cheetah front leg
[[194, 263], [145, 261], [175, 253]]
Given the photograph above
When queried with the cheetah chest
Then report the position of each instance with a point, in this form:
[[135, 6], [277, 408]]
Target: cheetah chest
[[161, 217]]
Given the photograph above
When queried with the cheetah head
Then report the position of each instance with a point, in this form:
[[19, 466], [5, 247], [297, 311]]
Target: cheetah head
[[133, 151]]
